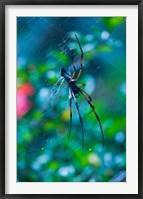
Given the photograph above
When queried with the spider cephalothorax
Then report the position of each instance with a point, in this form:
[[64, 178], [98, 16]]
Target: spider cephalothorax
[[75, 91], [71, 82]]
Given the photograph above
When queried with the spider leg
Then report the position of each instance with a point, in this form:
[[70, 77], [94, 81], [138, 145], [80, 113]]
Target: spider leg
[[72, 58], [89, 100], [86, 95], [66, 85], [74, 68], [81, 59], [80, 118], [70, 104]]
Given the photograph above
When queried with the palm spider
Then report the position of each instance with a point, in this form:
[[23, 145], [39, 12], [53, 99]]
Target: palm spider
[[75, 91]]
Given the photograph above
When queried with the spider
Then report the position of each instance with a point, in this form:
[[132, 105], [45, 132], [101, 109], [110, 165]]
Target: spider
[[75, 91]]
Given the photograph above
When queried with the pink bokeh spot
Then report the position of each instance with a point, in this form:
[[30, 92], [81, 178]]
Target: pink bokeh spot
[[23, 103]]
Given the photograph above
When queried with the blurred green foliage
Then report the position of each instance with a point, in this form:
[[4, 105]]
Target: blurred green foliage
[[44, 153]]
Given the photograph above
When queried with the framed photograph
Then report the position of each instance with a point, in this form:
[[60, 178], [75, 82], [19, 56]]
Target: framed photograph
[[71, 99]]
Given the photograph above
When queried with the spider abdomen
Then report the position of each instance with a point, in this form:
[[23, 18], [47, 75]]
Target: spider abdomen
[[65, 75], [74, 87]]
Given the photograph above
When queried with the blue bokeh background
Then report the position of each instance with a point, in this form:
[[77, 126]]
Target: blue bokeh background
[[44, 153]]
